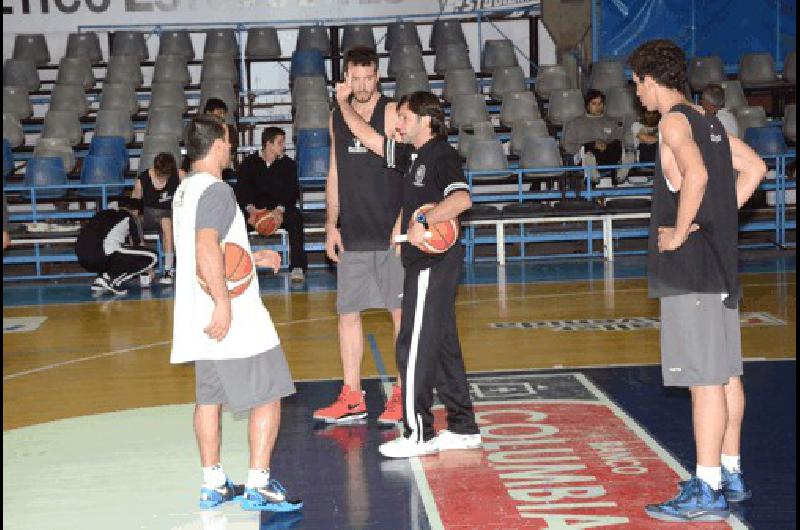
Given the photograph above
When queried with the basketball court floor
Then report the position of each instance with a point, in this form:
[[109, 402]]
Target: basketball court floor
[[563, 359]]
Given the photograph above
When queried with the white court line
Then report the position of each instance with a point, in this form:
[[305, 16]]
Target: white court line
[[733, 520], [434, 519]]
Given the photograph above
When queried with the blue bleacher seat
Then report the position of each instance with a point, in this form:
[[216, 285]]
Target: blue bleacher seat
[[310, 138], [110, 146], [45, 171], [312, 163], [766, 141], [8, 159], [307, 63], [101, 169]]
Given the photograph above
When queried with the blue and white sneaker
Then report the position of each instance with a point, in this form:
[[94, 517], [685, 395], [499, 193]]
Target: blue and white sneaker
[[734, 487], [270, 498], [212, 497], [697, 501]]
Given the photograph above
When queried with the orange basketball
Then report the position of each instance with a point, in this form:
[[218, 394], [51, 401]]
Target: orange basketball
[[265, 223], [239, 270], [443, 234]]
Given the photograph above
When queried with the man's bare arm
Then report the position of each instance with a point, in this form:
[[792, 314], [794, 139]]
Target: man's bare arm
[[210, 263], [332, 185], [751, 168], [451, 207], [369, 137]]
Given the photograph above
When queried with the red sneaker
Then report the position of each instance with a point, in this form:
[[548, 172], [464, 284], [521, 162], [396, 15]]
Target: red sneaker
[[348, 406], [394, 407]]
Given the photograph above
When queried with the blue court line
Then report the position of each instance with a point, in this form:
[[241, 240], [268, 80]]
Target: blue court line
[[378, 358]]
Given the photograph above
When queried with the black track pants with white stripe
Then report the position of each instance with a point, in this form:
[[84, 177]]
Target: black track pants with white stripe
[[429, 352], [127, 263]]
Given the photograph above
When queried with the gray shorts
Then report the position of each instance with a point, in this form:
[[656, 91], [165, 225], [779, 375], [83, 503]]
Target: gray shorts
[[243, 384], [366, 280], [701, 341]]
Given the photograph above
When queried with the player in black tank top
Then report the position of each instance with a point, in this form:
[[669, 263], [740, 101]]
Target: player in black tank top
[[693, 240]]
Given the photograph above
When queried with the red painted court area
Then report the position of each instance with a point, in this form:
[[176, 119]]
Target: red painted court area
[[552, 465]]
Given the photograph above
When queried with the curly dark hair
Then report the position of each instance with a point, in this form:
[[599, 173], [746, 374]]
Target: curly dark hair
[[663, 60]]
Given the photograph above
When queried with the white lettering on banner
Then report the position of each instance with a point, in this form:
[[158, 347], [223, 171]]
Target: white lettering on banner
[[540, 472], [616, 456]]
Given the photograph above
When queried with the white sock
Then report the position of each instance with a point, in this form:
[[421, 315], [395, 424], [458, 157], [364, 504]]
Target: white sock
[[257, 478], [732, 464], [169, 260], [214, 476], [711, 476]]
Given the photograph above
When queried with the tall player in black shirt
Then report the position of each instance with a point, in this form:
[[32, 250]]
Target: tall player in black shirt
[[692, 269], [428, 348]]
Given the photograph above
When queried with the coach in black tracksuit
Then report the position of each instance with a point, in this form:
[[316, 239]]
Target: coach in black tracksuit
[[428, 349]]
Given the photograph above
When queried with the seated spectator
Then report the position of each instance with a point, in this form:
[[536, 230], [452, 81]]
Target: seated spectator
[[645, 135], [111, 245], [268, 180], [156, 187], [217, 107], [595, 139], [713, 102]]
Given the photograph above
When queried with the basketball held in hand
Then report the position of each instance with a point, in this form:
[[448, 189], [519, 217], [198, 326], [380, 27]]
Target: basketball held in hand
[[239, 270], [265, 222], [444, 234]]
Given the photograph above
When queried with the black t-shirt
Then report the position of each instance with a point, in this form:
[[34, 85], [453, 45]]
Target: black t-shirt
[[267, 186], [157, 199], [429, 174]]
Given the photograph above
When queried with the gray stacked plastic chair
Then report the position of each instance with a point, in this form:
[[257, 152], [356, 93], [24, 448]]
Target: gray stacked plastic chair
[[130, 43], [747, 117], [357, 35], [621, 103], [523, 128], [551, 77], [84, 46], [124, 69], [790, 123], [154, 144], [17, 102], [171, 69], [565, 105], [221, 41], [790, 68], [570, 64], [69, 97], [449, 57], [310, 88], [12, 130], [262, 43], [756, 69], [219, 66], [498, 53], [410, 82], [483, 130], [446, 31], [176, 42], [460, 81], [519, 106], [221, 89], [704, 71], [22, 73], [63, 124], [606, 75], [56, 147], [486, 155], [540, 153], [405, 58], [31, 47], [75, 71], [168, 95], [505, 80], [114, 123], [734, 95], [312, 115], [398, 33], [468, 109], [119, 96], [313, 38], [166, 122]]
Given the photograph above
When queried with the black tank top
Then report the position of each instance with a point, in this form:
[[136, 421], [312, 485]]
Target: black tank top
[[157, 199], [707, 262], [369, 193]]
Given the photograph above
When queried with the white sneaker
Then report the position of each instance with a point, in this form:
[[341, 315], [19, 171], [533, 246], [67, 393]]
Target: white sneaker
[[448, 440], [145, 281], [297, 275], [402, 447]]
